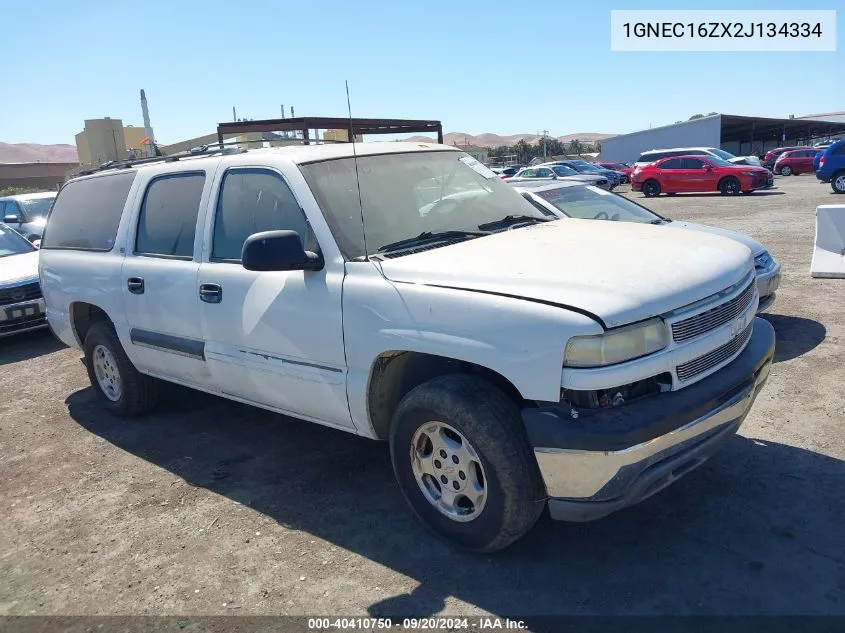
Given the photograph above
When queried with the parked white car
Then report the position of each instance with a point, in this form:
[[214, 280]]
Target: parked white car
[[27, 213], [570, 200], [650, 156], [21, 305], [509, 359]]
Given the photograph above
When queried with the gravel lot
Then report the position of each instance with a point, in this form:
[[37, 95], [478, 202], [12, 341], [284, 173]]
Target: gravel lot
[[210, 507]]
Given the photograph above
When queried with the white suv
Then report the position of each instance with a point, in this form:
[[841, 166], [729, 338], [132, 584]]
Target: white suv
[[408, 294]]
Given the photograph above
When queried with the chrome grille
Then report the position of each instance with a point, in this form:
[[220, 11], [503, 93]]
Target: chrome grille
[[16, 294], [713, 318], [711, 359]]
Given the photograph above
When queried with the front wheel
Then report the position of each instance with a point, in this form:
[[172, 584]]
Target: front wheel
[[837, 183], [729, 186], [786, 170], [463, 462], [651, 188], [122, 389]]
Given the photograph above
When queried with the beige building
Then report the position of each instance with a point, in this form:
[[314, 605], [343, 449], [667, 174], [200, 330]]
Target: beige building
[[478, 153], [108, 139]]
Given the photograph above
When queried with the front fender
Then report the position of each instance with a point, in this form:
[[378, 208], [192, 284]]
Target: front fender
[[519, 339]]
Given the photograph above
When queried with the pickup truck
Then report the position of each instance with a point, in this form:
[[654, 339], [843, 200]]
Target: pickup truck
[[511, 361]]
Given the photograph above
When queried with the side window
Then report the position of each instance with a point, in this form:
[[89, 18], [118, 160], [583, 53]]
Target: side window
[[252, 201], [168, 219], [10, 208], [544, 173], [87, 212], [693, 163], [839, 150], [528, 173], [672, 163]]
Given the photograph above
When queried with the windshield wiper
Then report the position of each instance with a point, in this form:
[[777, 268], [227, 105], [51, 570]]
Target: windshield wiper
[[430, 236], [511, 220]]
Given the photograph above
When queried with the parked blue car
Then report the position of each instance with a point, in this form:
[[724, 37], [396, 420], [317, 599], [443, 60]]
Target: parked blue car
[[830, 166], [615, 178]]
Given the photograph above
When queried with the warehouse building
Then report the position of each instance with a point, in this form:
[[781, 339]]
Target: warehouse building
[[739, 135]]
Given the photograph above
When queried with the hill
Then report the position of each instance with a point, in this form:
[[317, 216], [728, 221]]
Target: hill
[[35, 153], [489, 139]]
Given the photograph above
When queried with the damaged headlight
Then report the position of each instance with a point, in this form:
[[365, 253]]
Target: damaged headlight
[[763, 261], [617, 345]]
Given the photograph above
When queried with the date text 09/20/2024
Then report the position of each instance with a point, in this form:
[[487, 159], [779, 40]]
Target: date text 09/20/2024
[[435, 624]]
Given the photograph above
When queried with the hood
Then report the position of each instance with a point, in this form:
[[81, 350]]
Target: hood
[[18, 267], [620, 272], [755, 246], [753, 161]]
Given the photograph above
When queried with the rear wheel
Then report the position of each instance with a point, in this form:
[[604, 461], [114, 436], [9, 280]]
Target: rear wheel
[[464, 464], [729, 186], [786, 170], [837, 183], [651, 188], [123, 389]]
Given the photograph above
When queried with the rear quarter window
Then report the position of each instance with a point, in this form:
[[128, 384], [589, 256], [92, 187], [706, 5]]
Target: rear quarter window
[[86, 213]]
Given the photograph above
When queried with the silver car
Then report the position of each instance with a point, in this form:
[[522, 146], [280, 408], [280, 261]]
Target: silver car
[[573, 200], [21, 304], [558, 172], [27, 213]]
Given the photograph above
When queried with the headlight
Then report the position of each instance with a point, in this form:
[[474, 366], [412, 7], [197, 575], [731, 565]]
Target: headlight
[[617, 345], [763, 261]]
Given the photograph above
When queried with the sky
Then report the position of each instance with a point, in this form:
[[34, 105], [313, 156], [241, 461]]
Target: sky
[[478, 66]]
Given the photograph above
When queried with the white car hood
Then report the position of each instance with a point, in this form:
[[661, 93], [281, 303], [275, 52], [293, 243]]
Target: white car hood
[[18, 267], [619, 272], [756, 247]]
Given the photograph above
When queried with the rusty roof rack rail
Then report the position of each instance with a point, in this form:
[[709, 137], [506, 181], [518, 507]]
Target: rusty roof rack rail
[[202, 150]]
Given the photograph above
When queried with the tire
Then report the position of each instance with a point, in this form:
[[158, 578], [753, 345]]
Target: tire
[[136, 393], [485, 418], [729, 186], [837, 182], [786, 170], [651, 188]]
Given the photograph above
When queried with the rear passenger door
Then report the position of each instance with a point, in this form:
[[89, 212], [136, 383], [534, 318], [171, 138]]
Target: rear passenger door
[[695, 175], [159, 277], [670, 176], [272, 338]]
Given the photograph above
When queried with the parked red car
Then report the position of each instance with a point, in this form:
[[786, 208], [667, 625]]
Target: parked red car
[[796, 161], [773, 154], [625, 168], [679, 174]]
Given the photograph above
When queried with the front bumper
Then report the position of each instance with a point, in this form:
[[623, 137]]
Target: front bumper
[[613, 458], [767, 284], [22, 317]]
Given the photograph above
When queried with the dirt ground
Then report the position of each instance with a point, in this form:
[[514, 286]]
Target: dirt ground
[[210, 507]]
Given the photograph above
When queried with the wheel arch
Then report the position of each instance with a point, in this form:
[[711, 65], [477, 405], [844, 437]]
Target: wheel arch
[[83, 315], [394, 373]]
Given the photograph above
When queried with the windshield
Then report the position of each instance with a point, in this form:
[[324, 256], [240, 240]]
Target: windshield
[[719, 162], [13, 243], [563, 170], [592, 203], [405, 195], [37, 207], [722, 154], [587, 167]]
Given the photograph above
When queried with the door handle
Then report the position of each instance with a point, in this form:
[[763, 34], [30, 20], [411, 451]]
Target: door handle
[[135, 285], [211, 293]]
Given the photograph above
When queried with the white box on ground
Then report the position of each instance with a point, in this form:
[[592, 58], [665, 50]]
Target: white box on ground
[[829, 249]]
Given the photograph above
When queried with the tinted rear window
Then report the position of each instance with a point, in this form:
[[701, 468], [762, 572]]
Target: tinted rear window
[[168, 219], [86, 213]]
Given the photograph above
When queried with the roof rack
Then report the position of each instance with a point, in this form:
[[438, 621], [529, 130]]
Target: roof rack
[[203, 150]]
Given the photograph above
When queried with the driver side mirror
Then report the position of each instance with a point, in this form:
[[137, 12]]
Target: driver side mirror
[[10, 219], [554, 176], [278, 250], [708, 168]]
